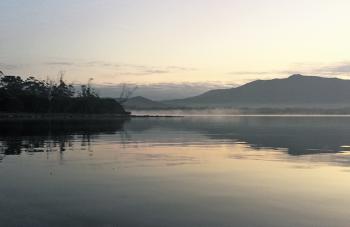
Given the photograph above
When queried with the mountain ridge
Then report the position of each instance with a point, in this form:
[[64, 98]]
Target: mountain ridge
[[140, 102], [294, 91]]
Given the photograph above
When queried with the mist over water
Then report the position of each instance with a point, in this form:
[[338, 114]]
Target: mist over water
[[217, 112], [190, 112]]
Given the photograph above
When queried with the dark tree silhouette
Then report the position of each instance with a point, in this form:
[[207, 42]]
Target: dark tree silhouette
[[87, 91], [40, 96]]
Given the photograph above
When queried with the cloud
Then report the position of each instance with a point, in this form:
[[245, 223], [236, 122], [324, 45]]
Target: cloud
[[342, 69], [277, 72], [155, 71], [332, 69], [5, 66], [142, 72], [179, 68], [323, 69], [123, 69], [61, 63], [248, 73]]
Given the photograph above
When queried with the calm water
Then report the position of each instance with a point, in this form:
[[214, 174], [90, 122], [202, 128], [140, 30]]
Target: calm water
[[192, 171]]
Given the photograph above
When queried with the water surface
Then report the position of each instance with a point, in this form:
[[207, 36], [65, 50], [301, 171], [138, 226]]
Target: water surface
[[191, 171]]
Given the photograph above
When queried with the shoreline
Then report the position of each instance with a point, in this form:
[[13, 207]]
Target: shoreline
[[104, 117], [66, 116]]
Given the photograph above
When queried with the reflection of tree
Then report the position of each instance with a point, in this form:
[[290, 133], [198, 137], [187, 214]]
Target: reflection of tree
[[2, 150], [12, 146], [48, 136], [297, 136], [125, 137], [86, 142]]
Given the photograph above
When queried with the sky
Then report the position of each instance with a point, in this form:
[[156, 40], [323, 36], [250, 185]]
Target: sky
[[155, 42]]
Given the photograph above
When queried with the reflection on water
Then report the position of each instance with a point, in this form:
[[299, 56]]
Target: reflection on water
[[294, 135], [206, 171], [40, 136], [298, 135]]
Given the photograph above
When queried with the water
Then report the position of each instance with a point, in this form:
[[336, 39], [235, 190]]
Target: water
[[191, 171]]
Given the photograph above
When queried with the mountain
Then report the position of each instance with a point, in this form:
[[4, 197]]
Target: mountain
[[143, 103], [294, 91]]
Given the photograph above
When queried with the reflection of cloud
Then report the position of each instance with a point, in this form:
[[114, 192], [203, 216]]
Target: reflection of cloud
[[123, 69]]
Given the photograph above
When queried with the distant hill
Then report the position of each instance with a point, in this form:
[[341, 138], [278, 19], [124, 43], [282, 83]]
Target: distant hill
[[294, 91], [143, 103]]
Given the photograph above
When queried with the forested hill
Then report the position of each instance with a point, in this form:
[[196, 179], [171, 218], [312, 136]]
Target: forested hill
[[39, 96]]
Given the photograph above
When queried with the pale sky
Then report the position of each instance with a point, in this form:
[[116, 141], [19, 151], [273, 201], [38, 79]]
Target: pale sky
[[174, 41]]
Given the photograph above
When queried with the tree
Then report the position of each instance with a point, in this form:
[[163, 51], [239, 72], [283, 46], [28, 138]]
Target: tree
[[40, 96], [87, 91], [36, 87], [62, 90], [13, 85]]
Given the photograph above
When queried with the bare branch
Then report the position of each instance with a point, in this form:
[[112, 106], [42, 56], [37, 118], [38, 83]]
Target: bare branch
[[126, 93]]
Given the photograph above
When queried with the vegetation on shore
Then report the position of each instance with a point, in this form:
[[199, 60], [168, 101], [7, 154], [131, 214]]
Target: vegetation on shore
[[43, 96]]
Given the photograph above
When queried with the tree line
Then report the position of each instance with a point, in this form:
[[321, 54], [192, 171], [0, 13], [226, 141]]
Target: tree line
[[32, 95]]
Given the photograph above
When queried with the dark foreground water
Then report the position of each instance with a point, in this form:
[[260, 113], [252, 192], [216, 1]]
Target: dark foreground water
[[192, 171]]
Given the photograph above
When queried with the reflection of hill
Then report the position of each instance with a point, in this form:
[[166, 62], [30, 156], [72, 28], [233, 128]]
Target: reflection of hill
[[300, 135], [34, 135]]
